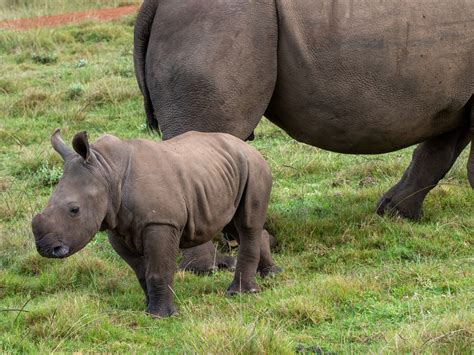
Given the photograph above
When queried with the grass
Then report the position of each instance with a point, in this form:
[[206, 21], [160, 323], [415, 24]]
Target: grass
[[14, 9], [353, 281]]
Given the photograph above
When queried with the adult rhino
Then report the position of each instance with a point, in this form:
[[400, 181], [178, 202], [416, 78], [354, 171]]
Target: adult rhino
[[350, 76]]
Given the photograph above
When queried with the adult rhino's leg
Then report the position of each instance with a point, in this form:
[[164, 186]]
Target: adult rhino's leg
[[266, 265], [431, 161], [205, 258], [470, 162]]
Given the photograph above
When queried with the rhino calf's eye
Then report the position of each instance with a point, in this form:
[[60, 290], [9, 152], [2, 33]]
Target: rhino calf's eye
[[74, 210]]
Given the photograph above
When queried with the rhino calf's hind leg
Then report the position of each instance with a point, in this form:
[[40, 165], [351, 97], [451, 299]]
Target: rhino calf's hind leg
[[248, 221], [247, 261], [430, 162]]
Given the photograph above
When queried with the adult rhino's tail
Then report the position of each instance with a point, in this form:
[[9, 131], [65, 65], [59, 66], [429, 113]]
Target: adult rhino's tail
[[142, 32]]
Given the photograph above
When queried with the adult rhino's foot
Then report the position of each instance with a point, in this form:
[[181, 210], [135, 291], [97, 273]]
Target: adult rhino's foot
[[205, 258], [161, 311], [405, 208], [269, 270], [430, 163], [241, 287]]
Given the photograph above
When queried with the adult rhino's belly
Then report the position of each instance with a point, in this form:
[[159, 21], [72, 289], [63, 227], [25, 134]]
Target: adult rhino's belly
[[372, 77]]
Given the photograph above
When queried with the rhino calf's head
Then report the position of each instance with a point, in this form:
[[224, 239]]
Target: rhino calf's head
[[78, 205]]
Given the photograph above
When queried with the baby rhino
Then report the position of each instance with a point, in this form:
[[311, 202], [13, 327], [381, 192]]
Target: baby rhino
[[156, 197]]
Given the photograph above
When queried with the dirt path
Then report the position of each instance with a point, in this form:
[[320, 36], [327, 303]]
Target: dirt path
[[73, 17]]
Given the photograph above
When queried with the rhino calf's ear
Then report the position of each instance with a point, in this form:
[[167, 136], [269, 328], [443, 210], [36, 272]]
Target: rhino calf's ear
[[80, 143]]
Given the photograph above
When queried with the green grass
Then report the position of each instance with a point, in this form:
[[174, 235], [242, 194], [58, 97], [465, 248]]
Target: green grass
[[14, 9], [353, 281]]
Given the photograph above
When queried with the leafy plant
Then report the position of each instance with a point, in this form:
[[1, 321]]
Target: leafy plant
[[74, 91], [44, 58]]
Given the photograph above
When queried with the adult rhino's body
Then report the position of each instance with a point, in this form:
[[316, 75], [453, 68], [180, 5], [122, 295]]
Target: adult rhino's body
[[349, 76]]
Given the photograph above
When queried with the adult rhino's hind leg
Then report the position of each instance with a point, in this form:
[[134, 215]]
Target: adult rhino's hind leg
[[470, 162], [430, 162], [266, 265], [205, 258]]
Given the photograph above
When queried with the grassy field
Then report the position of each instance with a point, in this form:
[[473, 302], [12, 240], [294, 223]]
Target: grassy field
[[353, 281]]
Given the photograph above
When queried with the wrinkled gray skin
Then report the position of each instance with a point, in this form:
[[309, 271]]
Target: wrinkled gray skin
[[350, 76], [155, 197]]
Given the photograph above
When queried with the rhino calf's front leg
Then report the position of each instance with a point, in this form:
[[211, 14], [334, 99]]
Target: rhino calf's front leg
[[135, 261], [160, 245]]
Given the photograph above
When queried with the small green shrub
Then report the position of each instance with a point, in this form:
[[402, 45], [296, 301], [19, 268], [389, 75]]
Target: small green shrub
[[74, 91], [44, 58], [81, 63]]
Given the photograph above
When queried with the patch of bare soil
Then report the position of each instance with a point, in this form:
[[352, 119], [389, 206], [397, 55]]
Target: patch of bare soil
[[73, 17]]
